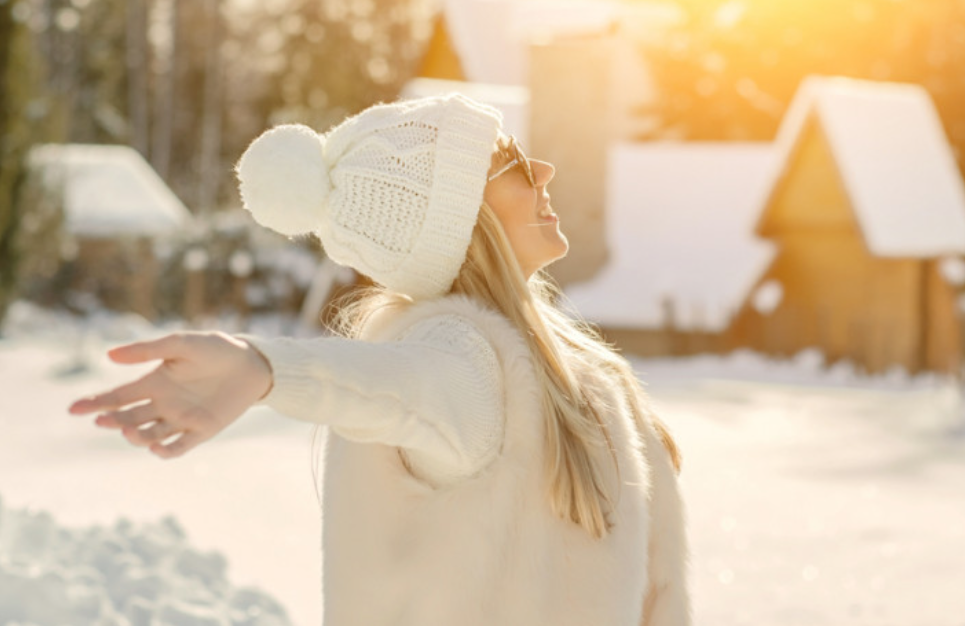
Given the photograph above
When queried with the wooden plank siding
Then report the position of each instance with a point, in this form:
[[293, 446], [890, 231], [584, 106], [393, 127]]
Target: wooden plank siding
[[943, 323], [876, 312]]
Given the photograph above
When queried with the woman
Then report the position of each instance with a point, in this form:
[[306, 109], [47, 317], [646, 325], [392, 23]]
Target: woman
[[489, 460]]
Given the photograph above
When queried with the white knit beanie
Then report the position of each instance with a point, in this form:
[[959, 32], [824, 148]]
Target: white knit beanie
[[392, 192]]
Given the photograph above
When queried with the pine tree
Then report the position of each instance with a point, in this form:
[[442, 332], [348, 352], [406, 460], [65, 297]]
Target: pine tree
[[732, 67], [16, 86]]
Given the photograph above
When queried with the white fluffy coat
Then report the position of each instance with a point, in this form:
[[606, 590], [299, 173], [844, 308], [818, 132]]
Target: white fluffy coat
[[489, 550]]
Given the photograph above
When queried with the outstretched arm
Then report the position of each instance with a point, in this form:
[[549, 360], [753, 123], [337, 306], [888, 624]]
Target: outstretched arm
[[436, 393], [204, 383]]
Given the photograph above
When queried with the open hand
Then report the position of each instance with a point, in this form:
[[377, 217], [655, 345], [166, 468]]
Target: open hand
[[204, 383]]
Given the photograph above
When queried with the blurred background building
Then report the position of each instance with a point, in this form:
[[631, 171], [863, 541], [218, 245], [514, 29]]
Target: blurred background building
[[714, 197]]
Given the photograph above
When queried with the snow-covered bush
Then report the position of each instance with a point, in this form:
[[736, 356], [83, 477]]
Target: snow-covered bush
[[125, 575]]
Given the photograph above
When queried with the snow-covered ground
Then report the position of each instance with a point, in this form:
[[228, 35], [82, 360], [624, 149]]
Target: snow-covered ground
[[813, 501], [814, 497]]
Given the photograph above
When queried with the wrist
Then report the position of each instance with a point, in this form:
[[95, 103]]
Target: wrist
[[265, 373]]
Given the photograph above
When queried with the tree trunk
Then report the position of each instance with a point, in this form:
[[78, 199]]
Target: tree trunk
[[138, 70], [210, 170], [164, 93]]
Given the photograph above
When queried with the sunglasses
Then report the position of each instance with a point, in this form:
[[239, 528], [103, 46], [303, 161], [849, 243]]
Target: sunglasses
[[517, 158]]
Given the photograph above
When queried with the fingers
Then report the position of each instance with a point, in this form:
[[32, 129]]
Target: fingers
[[167, 347], [135, 416], [156, 432], [118, 398], [179, 446]]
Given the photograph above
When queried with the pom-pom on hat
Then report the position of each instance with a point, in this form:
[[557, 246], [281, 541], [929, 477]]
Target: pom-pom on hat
[[393, 192]]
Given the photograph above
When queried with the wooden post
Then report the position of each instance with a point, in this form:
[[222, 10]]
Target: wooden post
[[195, 263], [241, 265], [670, 327], [144, 282]]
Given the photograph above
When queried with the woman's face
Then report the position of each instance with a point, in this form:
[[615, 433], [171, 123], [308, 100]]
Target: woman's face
[[523, 207]]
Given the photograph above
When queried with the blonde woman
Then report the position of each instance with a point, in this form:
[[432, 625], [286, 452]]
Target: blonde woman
[[489, 461]]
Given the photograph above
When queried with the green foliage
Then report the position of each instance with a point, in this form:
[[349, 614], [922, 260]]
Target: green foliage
[[218, 71], [18, 130], [341, 56], [730, 70]]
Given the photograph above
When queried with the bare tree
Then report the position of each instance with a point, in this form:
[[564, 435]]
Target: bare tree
[[165, 87], [138, 73], [210, 170]]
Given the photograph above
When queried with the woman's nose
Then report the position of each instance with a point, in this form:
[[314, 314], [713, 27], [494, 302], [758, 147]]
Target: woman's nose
[[543, 171]]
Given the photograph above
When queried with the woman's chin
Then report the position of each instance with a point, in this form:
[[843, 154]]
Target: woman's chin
[[564, 245]]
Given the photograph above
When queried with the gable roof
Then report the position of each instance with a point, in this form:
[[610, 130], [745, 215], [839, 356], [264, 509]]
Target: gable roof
[[109, 190], [894, 159], [679, 227], [491, 37]]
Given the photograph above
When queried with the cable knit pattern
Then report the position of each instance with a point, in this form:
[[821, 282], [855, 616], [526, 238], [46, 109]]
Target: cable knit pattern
[[392, 192], [436, 392], [477, 382]]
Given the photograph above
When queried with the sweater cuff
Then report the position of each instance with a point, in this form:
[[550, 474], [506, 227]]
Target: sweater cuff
[[295, 373]]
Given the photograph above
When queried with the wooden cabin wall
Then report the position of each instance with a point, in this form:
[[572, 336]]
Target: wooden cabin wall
[[98, 271], [943, 326], [889, 332], [837, 296], [663, 342], [121, 273], [850, 306], [811, 196]]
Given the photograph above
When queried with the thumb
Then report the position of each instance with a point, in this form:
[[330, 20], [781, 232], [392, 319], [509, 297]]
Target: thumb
[[167, 347]]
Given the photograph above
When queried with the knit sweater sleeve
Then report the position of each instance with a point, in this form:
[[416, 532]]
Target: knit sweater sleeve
[[436, 393]]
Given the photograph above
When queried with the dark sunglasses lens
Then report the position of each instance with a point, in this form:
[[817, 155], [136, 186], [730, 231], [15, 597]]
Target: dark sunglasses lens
[[525, 164]]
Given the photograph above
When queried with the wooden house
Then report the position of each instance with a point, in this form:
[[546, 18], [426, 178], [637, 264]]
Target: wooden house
[[867, 211], [846, 234], [440, 60], [588, 86], [583, 81], [683, 255], [117, 213]]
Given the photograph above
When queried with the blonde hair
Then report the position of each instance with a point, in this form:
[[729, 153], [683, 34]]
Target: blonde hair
[[560, 347]]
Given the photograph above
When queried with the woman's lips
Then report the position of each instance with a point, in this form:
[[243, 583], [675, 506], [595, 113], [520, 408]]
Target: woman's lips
[[545, 211]]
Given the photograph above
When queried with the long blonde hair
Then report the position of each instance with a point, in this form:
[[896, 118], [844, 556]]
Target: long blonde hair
[[560, 346]]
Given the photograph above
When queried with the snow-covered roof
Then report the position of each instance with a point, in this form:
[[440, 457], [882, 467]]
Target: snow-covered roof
[[894, 159], [110, 191], [679, 227], [491, 36], [511, 100]]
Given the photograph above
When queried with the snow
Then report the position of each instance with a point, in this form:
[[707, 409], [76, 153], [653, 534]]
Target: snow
[[241, 263], [953, 271], [329, 275], [124, 574], [679, 227], [248, 494], [768, 297], [195, 259], [817, 502], [109, 191], [815, 497], [895, 161]]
